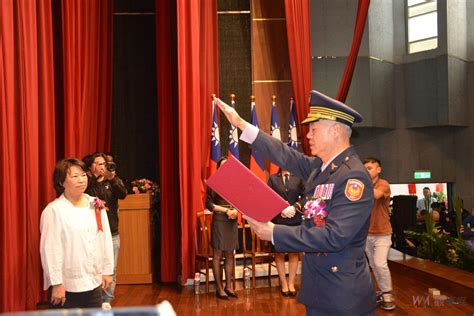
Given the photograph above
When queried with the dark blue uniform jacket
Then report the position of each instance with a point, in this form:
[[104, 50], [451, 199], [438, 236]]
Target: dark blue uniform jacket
[[335, 277]]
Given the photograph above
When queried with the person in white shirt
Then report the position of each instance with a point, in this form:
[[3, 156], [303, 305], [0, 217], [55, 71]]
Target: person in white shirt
[[76, 244], [426, 201]]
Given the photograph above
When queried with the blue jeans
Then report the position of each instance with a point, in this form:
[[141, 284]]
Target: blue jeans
[[108, 294]]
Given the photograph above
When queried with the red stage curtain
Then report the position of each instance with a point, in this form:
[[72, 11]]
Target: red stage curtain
[[28, 151], [209, 83], [87, 59], [197, 80], [167, 130], [362, 11], [299, 46]]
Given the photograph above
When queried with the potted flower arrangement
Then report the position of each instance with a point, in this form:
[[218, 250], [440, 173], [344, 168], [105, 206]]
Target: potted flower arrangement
[[143, 193], [144, 186]]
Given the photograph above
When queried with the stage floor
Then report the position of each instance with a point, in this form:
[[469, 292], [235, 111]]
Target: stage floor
[[410, 295]]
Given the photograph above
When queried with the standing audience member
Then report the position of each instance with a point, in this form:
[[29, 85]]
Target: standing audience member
[[426, 201], [379, 239], [224, 239], [106, 185], [289, 187], [76, 244], [335, 278]]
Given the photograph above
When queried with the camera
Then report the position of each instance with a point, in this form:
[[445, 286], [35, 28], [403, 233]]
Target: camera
[[111, 166]]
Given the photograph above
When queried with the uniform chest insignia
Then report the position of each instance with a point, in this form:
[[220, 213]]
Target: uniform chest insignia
[[324, 191], [333, 166], [354, 189]]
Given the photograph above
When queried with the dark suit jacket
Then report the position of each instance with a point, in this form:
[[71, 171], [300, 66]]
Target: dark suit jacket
[[335, 277], [291, 194]]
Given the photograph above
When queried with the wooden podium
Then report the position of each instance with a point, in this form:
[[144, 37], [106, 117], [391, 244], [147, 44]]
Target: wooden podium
[[135, 256]]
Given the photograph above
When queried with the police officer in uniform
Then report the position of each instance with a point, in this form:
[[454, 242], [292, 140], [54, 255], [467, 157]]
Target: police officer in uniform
[[339, 199]]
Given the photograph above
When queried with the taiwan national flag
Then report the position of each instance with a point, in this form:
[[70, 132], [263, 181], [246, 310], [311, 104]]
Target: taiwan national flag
[[233, 137], [215, 141], [292, 134], [275, 132], [257, 166]]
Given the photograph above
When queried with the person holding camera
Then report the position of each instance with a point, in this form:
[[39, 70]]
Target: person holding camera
[[107, 186]]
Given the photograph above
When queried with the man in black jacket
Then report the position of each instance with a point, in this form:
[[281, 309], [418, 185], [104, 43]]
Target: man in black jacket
[[107, 186]]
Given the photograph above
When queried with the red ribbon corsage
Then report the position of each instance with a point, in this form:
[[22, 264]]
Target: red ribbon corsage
[[98, 204]]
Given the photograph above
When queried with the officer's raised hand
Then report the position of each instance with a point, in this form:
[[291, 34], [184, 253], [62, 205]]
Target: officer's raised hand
[[231, 114]]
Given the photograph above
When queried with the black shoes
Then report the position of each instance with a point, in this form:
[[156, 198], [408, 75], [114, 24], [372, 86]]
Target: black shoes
[[227, 294], [285, 293], [288, 293], [222, 297], [230, 293]]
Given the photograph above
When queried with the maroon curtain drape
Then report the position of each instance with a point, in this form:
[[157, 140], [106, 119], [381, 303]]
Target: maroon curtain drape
[[197, 80], [87, 59], [28, 153], [362, 11], [299, 46], [167, 130]]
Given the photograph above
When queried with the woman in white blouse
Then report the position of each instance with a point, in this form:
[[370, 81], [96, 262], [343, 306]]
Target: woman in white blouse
[[76, 243]]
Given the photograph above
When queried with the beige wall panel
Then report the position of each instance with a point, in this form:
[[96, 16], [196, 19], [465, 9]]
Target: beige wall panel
[[270, 63], [268, 9], [270, 51]]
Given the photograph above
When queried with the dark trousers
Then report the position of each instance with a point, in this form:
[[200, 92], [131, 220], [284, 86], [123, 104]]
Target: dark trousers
[[88, 299], [314, 312]]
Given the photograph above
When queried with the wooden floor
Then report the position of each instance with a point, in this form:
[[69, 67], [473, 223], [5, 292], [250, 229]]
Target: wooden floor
[[265, 300]]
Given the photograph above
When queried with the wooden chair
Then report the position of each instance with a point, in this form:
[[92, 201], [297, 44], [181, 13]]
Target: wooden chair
[[260, 251], [203, 242], [204, 253]]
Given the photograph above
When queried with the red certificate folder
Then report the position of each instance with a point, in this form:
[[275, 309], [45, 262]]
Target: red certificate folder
[[245, 191]]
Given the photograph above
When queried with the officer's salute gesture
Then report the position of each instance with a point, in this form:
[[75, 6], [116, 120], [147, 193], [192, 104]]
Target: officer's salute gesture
[[231, 114], [337, 204], [263, 230]]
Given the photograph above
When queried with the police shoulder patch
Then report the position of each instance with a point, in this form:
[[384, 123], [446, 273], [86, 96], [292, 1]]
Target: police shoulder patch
[[354, 189]]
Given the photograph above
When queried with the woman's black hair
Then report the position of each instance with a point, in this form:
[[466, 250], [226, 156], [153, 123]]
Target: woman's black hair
[[60, 171], [89, 159]]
